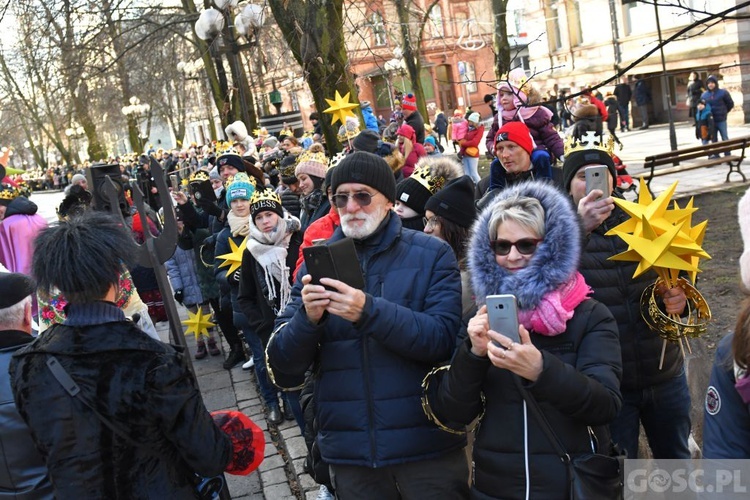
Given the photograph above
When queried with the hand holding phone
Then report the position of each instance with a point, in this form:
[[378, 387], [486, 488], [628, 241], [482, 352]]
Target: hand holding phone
[[502, 311], [597, 178]]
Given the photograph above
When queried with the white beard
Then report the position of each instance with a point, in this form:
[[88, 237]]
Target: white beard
[[359, 232]]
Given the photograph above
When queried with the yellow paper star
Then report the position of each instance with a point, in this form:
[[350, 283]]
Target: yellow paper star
[[198, 323], [233, 259], [340, 108]]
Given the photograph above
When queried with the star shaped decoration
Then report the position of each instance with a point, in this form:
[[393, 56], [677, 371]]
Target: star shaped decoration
[[233, 259], [198, 323], [340, 108]]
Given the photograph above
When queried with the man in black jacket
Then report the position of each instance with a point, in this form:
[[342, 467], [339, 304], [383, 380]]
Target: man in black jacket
[[413, 117], [623, 94], [656, 397], [23, 474]]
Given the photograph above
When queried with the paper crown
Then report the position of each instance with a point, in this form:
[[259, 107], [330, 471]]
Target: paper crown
[[8, 192], [223, 147], [423, 175], [589, 140], [199, 176], [264, 195], [315, 157], [241, 177]]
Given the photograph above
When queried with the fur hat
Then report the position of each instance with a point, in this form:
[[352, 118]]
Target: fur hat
[[265, 200], [409, 103], [312, 162], [455, 202], [368, 169], [516, 132], [429, 177], [743, 209], [14, 287], [241, 187]]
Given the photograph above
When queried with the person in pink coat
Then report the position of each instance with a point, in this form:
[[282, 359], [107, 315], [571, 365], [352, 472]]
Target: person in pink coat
[[410, 148]]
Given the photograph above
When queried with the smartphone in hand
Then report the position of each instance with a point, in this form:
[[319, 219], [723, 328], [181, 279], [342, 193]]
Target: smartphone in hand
[[502, 311], [596, 178]]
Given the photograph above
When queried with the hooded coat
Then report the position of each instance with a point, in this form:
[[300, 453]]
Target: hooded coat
[[719, 99], [18, 230], [579, 383]]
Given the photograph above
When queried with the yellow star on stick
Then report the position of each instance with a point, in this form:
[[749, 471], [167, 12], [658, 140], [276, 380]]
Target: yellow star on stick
[[340, 108], [233, 259], [198, 323]]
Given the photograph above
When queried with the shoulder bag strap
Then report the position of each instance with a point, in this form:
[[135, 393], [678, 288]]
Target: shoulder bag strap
[[72, 388]]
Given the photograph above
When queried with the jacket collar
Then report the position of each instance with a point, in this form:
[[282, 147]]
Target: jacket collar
[[14, 338]]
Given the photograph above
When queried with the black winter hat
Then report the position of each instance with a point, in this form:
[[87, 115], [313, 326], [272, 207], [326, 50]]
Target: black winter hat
[[455, 202], [368, 169], [367, 140], [232, 160], [577, 159], [412, 194], [14, 287]]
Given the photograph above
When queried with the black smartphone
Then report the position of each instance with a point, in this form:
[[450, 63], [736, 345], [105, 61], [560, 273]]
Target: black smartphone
[[503, 315], [319, 264], [337, 260]]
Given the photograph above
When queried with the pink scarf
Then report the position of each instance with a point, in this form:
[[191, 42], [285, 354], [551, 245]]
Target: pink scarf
[[556, 308]]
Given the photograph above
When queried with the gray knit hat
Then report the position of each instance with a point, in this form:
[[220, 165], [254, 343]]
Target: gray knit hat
[[368, 169]]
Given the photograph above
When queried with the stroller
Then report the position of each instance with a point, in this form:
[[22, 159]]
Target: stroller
[[624, 182]]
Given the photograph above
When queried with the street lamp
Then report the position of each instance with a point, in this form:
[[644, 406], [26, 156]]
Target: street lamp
[[217, 22], [136, 110]]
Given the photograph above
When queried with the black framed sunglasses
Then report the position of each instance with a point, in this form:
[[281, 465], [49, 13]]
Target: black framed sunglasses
[[525, 246], [362, 198]]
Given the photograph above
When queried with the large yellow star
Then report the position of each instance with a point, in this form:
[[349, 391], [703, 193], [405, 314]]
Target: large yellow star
[[340, 108], [233, 259], [198, 323]]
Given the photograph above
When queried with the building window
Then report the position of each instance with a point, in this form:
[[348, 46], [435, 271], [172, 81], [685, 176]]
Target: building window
[[468, 75], [553, 24], [573, 9], [378, 29], [436, 22]]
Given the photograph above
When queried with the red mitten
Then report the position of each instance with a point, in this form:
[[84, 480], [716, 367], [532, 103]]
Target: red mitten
[[248, 443]]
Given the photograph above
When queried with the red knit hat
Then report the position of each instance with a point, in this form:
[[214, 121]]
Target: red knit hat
[[409, 102], [516, 132]]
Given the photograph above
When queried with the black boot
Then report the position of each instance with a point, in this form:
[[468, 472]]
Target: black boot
[[236, 355], [274, 415]]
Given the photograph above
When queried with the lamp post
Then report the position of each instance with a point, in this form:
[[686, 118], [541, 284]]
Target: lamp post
[[216, 23], [191, 70], [664, 83], [136, 110], [75, 132]]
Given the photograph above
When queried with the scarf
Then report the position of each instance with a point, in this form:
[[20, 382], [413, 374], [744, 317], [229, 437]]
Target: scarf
[[552, 313], [238, 226], [742, 383], [521, 113], [270, 252], [312, 201]]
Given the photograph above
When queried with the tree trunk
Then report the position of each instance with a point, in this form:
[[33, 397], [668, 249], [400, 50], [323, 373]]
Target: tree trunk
[[314, 32], [411, 55], [500, 38]]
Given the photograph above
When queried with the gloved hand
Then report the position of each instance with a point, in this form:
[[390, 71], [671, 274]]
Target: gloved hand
[[209, 207], [179, 295], [542, 164]]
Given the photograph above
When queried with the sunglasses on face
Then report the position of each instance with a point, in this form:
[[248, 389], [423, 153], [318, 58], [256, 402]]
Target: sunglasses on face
[[362, 198], [525, 246]]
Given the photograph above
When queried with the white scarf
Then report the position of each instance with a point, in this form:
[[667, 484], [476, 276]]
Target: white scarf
[[270, 252], [238, 226]]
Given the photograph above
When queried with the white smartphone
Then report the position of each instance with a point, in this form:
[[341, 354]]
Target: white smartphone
[[503, 314], [596, 178]]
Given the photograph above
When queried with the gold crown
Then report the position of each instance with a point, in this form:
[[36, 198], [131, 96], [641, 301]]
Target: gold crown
[[422, 174], [316, 157], [199, 176], [8, 192], [223, 147], [241, 177], [265, 195], [588, 141]]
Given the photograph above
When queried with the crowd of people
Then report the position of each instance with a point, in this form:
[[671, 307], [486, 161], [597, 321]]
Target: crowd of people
[[98, 406]]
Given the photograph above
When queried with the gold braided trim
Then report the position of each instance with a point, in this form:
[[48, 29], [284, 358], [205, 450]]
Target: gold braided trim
[[427, 409], [271, 374], [696, 323]]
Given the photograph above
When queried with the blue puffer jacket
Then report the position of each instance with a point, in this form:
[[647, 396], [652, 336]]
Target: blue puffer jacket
[[719, 99], [370, 373], [184, 276], [726, 418]]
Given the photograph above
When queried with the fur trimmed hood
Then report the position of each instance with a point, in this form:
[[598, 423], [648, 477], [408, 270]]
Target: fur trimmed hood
[[556, 258]]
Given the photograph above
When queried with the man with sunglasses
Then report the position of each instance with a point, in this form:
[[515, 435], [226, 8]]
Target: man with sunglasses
[[373, 347], [656, 397]]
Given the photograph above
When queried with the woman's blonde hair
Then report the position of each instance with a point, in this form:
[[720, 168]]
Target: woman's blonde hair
[[524, 211]]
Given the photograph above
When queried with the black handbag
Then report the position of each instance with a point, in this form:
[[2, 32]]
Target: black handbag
[[591, 476]]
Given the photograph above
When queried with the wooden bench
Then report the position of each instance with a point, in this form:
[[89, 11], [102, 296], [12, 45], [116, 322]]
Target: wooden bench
[[697, 157]]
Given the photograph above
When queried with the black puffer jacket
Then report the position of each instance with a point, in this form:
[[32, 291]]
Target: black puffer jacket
[[578, 387], [615, 287], [139, 384]]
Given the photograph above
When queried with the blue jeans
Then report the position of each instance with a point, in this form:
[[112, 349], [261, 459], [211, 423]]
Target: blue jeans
[[664, 411], [470, 168], [624, 117], [721, 129], [267, 390]]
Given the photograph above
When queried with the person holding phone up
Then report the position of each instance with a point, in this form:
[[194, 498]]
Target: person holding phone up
[[565, 352]]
